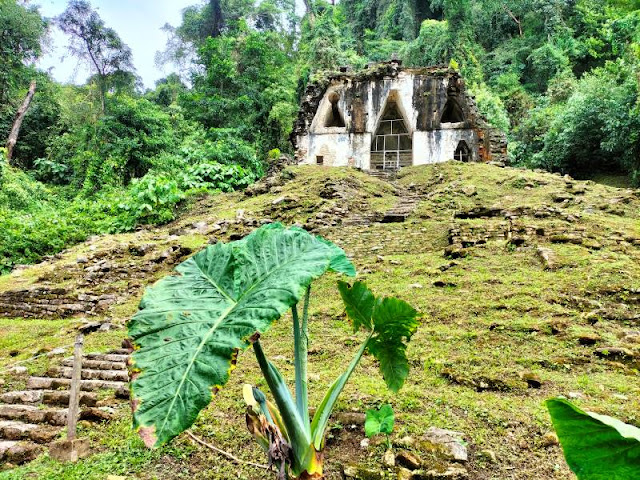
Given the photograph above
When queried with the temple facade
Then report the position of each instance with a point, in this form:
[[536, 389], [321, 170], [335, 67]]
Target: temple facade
[[389, 117]]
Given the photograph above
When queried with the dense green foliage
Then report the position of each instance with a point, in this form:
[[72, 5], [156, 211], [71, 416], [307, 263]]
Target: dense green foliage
[[597, 447], [562, 78]]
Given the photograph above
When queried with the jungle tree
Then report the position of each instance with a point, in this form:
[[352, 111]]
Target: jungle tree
[[92, 41]]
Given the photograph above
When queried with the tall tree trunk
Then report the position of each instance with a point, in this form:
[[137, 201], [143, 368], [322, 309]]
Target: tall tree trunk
[[310, 12], [216, 18], [17, 122]]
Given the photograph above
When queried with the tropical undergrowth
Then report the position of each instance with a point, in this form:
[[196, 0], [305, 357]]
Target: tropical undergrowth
[[138, 165]]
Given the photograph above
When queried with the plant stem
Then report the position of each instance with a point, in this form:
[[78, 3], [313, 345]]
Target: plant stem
[[301, 346], [297, 428], [321, 418]]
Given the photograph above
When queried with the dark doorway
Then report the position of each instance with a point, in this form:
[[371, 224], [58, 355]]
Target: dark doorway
[[463, 152], [452, 112], [334, 117]]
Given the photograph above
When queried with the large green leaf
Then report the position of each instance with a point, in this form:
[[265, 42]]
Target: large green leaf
[[379, 421], [392, 321], [322, 415], [191, 326], [597, 447], [358, 303], [389, 321], [296, 426]]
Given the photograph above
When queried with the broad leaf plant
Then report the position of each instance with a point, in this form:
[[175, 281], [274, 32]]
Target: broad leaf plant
[[191, 326], [596, 447]]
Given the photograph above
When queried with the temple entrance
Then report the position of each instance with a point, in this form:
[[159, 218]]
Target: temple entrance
[[463, 152], [334, 116], [392, 146]]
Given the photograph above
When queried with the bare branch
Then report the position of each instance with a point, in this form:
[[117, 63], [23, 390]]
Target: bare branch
[[514, 18], [226, 454], [17, 122]]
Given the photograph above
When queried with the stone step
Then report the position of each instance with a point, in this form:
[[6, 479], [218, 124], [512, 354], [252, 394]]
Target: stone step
[[106, 357], [120, 351], [48, 383], [18, 452], [16, 431], [47, 397], [392, 217], [33, 414], [88, 374], [96, 364]]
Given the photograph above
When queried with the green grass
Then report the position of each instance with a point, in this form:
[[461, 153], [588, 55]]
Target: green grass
[[502, 316]]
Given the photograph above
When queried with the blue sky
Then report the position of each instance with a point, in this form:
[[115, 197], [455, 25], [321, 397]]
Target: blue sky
[[138, 22]]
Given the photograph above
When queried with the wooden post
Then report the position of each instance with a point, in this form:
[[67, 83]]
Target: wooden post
[[72, 449], [74, 393], [17, 122]]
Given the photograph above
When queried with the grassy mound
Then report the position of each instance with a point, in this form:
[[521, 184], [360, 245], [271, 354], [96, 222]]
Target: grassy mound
[[527, 284]]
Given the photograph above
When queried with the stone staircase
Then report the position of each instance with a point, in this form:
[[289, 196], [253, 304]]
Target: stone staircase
[[383, 174], [405, 206], [407, 203], [32, 418]]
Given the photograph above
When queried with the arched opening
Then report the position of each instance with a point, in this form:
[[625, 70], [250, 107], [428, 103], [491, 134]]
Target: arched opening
[[452, 112], [392, 145], [463, 152], [334, 117]]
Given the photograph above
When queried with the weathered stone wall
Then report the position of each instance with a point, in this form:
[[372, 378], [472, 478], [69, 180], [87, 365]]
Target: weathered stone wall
[[337, 149], [436, 146], [421, 96], [93, 283], [51, 302]]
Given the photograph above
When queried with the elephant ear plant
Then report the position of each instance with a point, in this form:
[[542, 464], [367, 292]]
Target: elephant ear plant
[[191, 327], [596, 447]]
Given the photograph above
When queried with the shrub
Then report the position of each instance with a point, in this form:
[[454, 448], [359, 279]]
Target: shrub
[[597, 128], [152, 199], [491, 107], [432, 45], [217, 177]]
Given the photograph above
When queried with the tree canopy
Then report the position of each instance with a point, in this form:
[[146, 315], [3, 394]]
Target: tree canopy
[[98, 45], [560, 77]]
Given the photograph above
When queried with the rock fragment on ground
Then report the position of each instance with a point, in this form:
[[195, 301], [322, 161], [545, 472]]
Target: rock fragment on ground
[[447, 442]]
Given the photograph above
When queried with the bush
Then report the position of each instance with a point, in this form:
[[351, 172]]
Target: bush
[[491, 107], [220, 145], [51, 171], [432, 45], [543, 64], [217, 177], [152, 199], [597, 128], [115, 149], [36, 220]]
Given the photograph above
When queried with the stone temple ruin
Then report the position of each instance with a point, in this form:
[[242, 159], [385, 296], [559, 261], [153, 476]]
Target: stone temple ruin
[[389, 117]]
